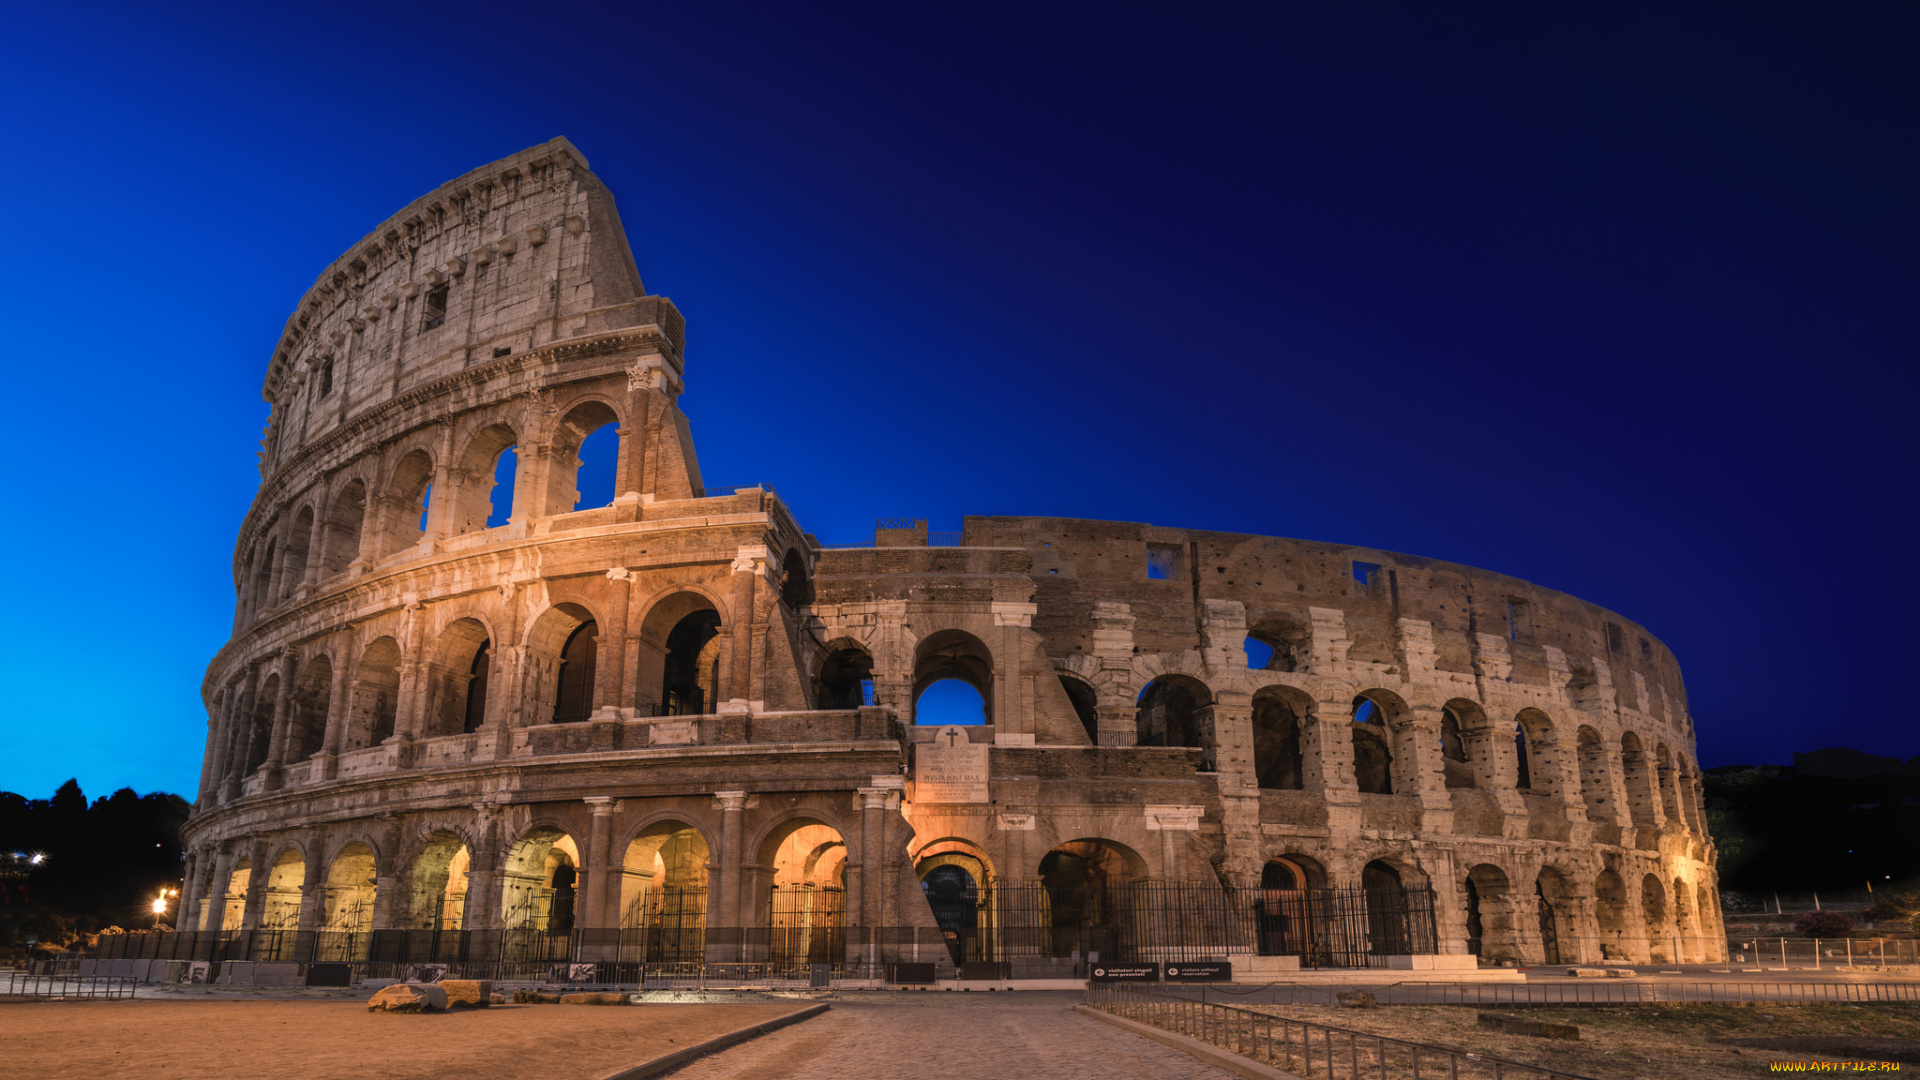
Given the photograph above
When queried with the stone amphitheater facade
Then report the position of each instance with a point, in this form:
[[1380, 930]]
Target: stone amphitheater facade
[[605, 706]]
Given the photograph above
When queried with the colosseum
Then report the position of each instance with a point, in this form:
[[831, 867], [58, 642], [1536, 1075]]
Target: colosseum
[[471, 712]]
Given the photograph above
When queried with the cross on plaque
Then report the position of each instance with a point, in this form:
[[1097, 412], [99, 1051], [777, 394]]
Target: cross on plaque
[[952, 739]]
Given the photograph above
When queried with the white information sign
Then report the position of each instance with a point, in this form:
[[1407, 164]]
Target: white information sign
[[950, 769]]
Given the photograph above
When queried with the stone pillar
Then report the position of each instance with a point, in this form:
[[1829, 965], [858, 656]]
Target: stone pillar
[[599, 869], [610, 667], [484, 881], [1112, 644], [732, 804], [191, 890], [339, 709], [313, 896], [256, 902], [242, 728], [746, 567], [863, 880], [211, 757], [412, 689], [216, 893], [1326, 761], [282, 718]]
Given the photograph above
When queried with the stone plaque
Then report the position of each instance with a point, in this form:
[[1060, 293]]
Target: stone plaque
[[950, 769]]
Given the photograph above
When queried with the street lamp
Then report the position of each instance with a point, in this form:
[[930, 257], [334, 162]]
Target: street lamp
[[160, 905]]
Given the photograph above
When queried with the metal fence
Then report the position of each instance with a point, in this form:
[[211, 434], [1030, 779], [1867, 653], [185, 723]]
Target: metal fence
[[1823, 952], [22, 986], [1306, 1049], [1517, 995]]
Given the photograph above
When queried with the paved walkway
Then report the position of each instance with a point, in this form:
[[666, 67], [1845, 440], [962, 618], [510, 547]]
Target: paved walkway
[[952, 1037]]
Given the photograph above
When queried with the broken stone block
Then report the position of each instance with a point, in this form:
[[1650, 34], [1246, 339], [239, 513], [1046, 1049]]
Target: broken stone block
[[1587, 973], [534, 997], [1357, 999], [408, 998], [594, 999], [475, 993]]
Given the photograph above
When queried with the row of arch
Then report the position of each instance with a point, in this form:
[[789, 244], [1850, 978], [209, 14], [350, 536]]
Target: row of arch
[[494, 477]]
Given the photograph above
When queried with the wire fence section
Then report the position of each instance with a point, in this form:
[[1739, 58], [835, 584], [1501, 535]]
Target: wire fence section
[[24, 986], [1582, 993], [1306, 1049]]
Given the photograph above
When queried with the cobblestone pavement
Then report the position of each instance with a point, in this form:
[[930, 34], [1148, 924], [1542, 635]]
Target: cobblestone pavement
[[952, 1037]]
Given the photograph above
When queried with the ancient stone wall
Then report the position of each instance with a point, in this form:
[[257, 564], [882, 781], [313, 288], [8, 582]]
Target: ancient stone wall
[[599, 708]]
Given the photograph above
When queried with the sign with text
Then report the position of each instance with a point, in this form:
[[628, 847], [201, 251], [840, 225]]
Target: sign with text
[[1126, 973], [1208, 972], [950, 769]]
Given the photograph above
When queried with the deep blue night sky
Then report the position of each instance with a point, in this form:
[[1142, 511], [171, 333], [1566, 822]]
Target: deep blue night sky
[[1621, 303]]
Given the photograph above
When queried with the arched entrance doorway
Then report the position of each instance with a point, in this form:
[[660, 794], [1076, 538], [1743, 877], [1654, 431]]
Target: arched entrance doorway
[[806, 905], [956, 879], [437, 894], [663, 895], [1283, 912], [1088, 888]]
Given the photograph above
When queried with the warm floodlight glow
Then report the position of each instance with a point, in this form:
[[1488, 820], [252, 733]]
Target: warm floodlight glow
[[159, 904]]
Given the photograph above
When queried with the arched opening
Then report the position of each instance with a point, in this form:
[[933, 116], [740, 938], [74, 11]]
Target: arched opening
[[796, 585], [537, 882], [483, 498], [1610, 913], [350, 894], [1277, 715], [1553, 907], [1391, 928], [1704, 909], [562, 651], [663, 894], [845, 680], [1284, 913], [1089, 886], [1523, 764], [1653, 907], [806, 905], [679, 663], [407, 495], [233, 901], [437, 893], [1490, 929], [953, 895], [1277, 643], [949, 701], [1174, 710], [298, 542], [961, 657], [1372, 753], [285, 881], [340, 536], [1541, 760], [456, 656], [376, 695], [260, 733], [1085, 705], [1460, 723], [584, 457], [312, 696]]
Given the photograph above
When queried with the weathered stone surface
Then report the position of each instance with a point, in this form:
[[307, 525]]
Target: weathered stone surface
[[535, 997], [477, 993], [595, 999], [440, 720], [1356, 999], [408, 998]]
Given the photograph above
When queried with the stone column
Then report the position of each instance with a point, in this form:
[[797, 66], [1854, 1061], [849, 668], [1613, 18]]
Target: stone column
[[1326, 761], [256, 902], [216, 893], [484, 884], [242, 728], [282, 718], [732, 803], [313, 906], [190, 891], [610, 666], [863, 879], [746, 567], [211, 757], [593, 892], [407, 721], [339, 709]]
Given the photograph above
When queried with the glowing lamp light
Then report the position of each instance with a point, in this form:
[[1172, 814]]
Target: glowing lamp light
[[159, 904]]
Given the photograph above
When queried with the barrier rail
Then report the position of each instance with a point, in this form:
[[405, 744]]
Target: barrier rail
[[1308, 1049], [30, 987], [1582, 993]]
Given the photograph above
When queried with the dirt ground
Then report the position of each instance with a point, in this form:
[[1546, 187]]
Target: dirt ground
[[339, 1040], [1699, 1042]]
